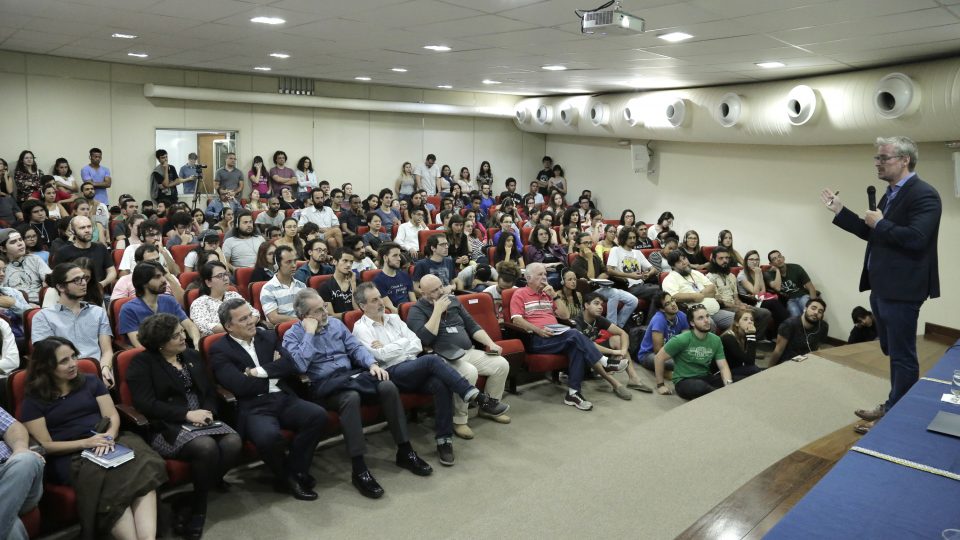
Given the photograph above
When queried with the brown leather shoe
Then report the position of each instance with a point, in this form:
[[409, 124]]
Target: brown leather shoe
[[871, 415], [863, 428]]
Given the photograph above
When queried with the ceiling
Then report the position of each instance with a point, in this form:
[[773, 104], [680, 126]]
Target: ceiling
[[503, 40]]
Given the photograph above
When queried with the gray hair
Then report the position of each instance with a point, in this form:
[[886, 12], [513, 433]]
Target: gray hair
[[360, 293], [304, 297], [225, 309], [903, 146]]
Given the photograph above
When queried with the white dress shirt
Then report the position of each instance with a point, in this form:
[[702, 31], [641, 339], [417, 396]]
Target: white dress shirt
[[257, 371], [398, 342]]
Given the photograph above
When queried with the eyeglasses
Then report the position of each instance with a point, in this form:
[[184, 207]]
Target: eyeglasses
[[884, 157], [79, 280], [753, 259], [224, 276]]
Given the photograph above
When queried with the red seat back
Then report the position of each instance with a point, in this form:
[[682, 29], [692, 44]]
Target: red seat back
[[663, 276], [255, 289], [423, 235], [179, 253], [316, 281], [117, 257], [351, 317], [480, 307], [115, 305], [368, 275], [121, 362], [393, 230], [505, 297], [707, 251], [405, 310], [190, 296], [243, 281], [206, 344], [283, 327], [186, 278], [647, 252]]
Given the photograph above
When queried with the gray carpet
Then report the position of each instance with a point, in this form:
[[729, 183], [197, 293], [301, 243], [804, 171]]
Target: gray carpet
[[645, 468]]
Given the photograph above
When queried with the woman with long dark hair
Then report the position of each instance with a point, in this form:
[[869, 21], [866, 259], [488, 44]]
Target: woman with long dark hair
[[68, 412], [68, 187], [26, 176], [752, 282], [266, 267], [258, 177], [214, 283], [171, 388], [507, 250], [485, 173], [690, 247], [740, 345]]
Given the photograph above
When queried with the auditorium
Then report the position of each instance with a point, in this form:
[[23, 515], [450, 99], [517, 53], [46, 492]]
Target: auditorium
[[644, 269]]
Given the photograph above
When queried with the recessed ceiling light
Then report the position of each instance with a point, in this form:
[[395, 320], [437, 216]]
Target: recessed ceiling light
[[137, 54], [490, 81], [438, 48], [444, 86], [263, 68], [362, 78], [554, 68], [770, 65], [399, 70], [123, 36], [279, 55], [267, 20], [674, 37]]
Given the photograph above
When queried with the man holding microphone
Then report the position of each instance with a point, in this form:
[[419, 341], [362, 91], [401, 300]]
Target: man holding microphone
[[900, 263]]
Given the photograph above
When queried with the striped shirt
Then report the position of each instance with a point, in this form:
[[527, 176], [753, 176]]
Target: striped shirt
[[278, 297], [5, 422], [537, 308]]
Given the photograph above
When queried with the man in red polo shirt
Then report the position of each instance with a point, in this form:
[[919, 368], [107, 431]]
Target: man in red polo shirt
[[534, 309]]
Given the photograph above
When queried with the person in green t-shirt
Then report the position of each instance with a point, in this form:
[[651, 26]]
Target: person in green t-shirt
[[692, 353], [795, 285]]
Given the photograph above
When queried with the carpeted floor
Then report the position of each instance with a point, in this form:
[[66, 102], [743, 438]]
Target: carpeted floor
[[645, 468]]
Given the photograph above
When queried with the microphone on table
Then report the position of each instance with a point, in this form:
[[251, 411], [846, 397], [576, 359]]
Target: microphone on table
[[872, 197]]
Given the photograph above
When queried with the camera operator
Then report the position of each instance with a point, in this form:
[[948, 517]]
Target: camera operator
[[190, 173]]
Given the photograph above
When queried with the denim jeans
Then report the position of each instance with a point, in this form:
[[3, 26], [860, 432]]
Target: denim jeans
[[796, 305], [21, 485], [431, 374], [578, 348], [615, 297]]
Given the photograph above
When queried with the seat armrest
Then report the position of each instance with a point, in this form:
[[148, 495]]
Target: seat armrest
[[516, 329], [226, 395], [130, 415]]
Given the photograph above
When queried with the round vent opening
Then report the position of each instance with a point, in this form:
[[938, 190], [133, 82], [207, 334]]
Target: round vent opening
[[801, 105], [896, 95]]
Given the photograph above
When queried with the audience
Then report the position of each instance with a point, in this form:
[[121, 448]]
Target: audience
[[240, 247], [588, 265], [863, 326], [694, 353], [740, 345], [692, 287], [752, 281], [802, 334], [727, 290], [627, 262], [612, 341], [25, 272], [795, 286], [276, 297], [22, 473], [337, 292], [149, 281], [667, 322], [204, 311]]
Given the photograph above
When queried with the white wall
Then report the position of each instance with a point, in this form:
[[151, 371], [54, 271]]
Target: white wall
[[62, 107], [768, 197]]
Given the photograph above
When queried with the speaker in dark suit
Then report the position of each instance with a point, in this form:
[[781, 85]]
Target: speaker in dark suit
[[900, 264], [267, 403]]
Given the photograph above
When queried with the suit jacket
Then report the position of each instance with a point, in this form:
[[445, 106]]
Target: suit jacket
[[159, 394], [229, 361], [902, 248]]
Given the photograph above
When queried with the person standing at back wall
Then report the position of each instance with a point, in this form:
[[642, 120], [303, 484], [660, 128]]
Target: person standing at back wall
[[900, 264]]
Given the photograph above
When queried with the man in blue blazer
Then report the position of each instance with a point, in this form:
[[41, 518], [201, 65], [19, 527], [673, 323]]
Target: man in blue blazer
[[250, 363], [900, 263]]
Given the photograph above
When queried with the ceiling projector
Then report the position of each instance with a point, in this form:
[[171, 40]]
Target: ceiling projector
[[611, 22]]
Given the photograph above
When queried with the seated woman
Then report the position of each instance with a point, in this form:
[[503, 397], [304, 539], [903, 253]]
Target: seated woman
[[542, 251], [266, 267], [65, 411], [171, 388], [290, 237], [224, 223], [209, 241], [481, 231], [507, 251], [607, 242], [289, 200], [31, 239], [374, 238], [691, 248], [740, 345], [627, 219], [557, 204], [725, 239], [256, 203], [752, 282], [214, 280], [476, 245], [569, 296]]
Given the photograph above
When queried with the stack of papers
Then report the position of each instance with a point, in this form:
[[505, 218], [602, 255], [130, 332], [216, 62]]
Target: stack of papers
[[114, 458], [557, 329]]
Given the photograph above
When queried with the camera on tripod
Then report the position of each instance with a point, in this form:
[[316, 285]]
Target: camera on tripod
[[199, 169]]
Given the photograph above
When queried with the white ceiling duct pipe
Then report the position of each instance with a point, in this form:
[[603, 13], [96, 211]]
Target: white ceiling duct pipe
[[544, 115], [631, 114], [600, 114], [568, 114], [729, 110], [896, 95], [521, 115], [287, 100], [801, 104], [676, 112], [843, 113]]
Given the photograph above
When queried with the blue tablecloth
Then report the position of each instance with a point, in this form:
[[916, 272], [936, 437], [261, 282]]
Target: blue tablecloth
[[867, 497]]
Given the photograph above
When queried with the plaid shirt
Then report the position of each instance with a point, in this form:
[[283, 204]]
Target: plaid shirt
[[5, 422]]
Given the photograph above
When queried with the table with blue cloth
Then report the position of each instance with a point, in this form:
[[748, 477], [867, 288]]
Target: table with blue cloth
[[899, 481]]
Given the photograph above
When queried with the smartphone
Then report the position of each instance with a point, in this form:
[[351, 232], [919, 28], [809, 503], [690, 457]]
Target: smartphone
[[799, 358]]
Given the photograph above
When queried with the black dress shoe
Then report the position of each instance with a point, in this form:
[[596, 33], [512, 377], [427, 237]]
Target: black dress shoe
[[306, 480], [193, 529], [413, 463], [367, 485], [292, 486], [223, 486]]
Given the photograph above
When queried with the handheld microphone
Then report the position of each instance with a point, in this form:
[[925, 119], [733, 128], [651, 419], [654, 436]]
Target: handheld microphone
[[872, 197]]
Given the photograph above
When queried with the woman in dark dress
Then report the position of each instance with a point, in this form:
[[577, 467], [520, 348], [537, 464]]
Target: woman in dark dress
[[171, 388], [740, 345], [690, 247], [61, 410]]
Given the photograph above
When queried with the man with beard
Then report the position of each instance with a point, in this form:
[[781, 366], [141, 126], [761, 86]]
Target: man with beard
[[726, 284], [317, 261], [150, 282], [25, 271], [325, 218], [395, 285], [225, 199], [627, 262], [241, 248], [83, 246], [85, 325], [99, 210], [396, 347], [693, 354], [687, 287], [801, 335], [272, 217]]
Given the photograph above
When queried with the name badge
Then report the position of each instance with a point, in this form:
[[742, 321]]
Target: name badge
[[452, 330]]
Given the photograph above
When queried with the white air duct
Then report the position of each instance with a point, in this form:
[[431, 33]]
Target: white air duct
[[896, 96], [568, 114], [801, 104], [600, 114], [544, 115], [320, 102], [835, 109], [729, 110], [676, 112]]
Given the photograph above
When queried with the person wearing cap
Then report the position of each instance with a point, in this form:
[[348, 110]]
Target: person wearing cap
[[395, 347], [25, 271], [441, 322]]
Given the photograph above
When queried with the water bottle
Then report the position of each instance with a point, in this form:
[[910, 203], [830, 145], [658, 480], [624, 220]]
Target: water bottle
[[955, 387]]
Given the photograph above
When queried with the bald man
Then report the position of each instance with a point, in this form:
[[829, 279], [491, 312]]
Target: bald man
[[81, 229], [441, 322]]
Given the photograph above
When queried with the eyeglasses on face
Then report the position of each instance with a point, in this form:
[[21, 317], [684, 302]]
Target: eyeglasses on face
[[80, 280], [884, 157]]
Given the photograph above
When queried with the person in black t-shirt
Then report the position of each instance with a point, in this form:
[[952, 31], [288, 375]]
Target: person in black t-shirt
[[801, 335], [103, 270], [338, 291], [863, 329], [612, 341]]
